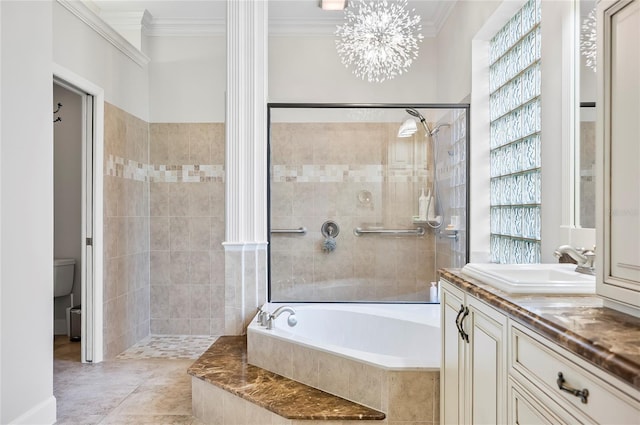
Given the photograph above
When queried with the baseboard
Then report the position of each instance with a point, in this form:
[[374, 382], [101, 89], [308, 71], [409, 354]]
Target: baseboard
[[60, 327], [43, 413]]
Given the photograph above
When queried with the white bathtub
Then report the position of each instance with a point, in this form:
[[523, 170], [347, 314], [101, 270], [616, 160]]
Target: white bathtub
[[388, 336]]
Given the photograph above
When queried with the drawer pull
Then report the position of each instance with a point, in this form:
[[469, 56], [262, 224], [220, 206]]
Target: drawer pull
[[583, 394]]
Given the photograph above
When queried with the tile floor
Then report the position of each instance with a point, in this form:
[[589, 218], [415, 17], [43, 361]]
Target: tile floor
[[147, 384]]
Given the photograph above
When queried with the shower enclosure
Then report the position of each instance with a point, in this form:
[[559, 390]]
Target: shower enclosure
[[366, 202]]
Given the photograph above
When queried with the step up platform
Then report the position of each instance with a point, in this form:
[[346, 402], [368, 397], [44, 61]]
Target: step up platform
[[227, 390]]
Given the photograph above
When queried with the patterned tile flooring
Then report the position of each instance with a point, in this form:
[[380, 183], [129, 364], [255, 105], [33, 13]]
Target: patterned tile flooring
[[169, 347], [147, 384]]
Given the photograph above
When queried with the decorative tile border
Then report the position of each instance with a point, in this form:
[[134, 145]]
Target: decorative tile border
[[307, 173], [134, 170], [345, 173], [186, 173]]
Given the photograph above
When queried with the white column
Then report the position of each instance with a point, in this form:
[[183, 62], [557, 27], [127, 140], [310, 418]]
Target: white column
[[246, 162]]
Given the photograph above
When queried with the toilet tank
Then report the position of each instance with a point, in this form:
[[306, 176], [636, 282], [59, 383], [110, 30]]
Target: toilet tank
[[63, 275]]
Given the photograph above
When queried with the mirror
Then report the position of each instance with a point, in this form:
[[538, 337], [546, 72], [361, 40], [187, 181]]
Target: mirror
[[585, 149]]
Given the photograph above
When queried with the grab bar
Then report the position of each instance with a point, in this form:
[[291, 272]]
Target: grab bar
[[301, 230], [418, 231]]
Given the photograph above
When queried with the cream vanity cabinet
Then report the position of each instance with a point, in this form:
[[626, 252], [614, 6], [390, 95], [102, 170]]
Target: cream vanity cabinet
[[497, 371], [537, 370], [618, 153], [474, 365]]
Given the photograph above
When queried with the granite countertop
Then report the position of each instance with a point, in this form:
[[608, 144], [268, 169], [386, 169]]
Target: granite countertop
[[225, 365], [604, 337]]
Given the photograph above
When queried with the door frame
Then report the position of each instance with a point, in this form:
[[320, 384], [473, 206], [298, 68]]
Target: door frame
[[92, 342]]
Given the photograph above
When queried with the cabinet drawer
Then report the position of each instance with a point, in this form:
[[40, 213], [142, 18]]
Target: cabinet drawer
[[526, 409], [536, 365]]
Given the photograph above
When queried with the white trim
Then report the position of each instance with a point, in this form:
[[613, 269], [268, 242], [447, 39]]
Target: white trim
[[245, 246], [289, 27], [42, 413], [95, 351], [98, 24], [159, 27]]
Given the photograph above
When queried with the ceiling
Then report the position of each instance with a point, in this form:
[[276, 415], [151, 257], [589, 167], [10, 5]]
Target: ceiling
[[282, 13]]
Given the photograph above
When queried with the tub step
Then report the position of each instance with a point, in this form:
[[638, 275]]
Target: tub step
[[224, 367]]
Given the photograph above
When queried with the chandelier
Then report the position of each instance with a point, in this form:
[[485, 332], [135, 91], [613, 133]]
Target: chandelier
[[588, 39], [379, 39]]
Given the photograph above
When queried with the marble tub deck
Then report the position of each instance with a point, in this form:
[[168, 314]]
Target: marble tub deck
[[224, 365]]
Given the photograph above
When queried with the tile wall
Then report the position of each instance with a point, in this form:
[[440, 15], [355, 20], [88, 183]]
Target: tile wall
[[164, 225], [126, 231], [358, 175], [187, 229]]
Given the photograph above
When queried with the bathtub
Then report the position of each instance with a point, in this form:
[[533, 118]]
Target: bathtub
[[391, 336], [385, 356]]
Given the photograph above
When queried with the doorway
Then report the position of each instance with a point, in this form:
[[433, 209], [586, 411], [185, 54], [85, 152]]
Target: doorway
[[78, 207]]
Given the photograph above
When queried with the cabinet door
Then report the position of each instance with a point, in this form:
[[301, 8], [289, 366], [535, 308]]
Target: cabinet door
[[486, 364], [452, 368], [619, 150]]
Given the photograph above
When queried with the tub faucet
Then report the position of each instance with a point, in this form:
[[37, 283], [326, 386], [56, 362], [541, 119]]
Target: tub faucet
[[263, 316], [584, 257], [291, 320]]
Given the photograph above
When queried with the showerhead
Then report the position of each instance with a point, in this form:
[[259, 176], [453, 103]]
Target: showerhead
[[438, 127], [414, 113]]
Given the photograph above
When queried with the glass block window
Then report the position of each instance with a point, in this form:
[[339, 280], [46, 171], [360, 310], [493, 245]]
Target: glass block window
[[514, 80]]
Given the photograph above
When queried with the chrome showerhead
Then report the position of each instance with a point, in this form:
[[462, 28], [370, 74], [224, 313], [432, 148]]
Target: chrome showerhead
[[414, 113]]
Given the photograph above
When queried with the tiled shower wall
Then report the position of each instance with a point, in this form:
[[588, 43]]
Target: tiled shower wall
[[358, 175], [187, 228], [164, 227], [126, 231]]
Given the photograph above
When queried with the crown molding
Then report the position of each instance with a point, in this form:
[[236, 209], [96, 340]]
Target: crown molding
[[97, 24], [442, 13], [159, 27]]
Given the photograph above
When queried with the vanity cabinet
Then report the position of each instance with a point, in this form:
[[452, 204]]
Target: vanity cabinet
[[474, 368], [497, 370], [618, 152], [539, 368]]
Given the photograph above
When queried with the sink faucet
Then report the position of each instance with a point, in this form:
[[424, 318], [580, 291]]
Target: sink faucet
[[291, 320], [584, 257]]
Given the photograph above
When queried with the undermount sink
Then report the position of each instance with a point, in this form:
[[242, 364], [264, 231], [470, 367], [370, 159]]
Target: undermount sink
[[532, 278]]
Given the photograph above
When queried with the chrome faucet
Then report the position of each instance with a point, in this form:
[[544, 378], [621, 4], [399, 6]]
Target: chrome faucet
[[584, 257], [291, 320], [263, 316]]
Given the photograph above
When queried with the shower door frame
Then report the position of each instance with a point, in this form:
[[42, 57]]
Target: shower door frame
[[290, 105]]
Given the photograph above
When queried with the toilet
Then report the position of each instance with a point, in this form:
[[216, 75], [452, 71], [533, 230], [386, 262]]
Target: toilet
[[63, 275]]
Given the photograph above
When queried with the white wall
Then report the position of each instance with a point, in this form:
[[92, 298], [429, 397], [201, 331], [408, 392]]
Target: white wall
[[26, 210], [187, 79], [454, 48], [83, 51], [67, 187], [308, 69]]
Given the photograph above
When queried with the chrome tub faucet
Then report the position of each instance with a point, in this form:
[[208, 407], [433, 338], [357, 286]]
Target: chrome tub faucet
[[291, 320]]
